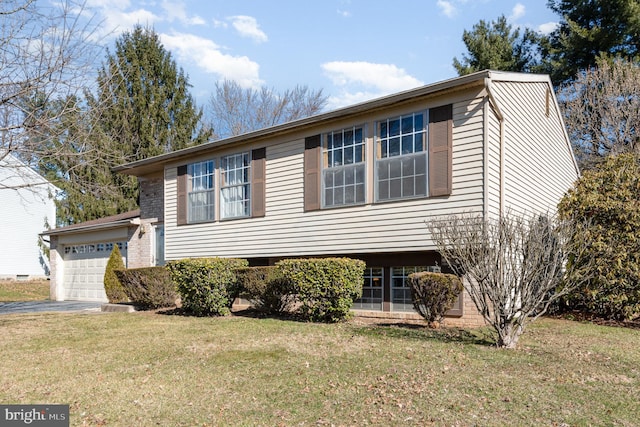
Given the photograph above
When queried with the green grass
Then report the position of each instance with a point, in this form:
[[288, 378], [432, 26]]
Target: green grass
[[151, 369], [35, 290]]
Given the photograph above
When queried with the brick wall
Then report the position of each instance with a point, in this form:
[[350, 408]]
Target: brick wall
[[141, 240], [152, 198]]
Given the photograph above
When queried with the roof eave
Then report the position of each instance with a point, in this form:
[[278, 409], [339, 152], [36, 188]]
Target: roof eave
[[91, 228], [156, 163]]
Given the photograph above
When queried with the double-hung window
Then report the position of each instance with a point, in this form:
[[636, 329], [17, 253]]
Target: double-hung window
[[201, 194], [401, 157], [235, 186], [343, 172]]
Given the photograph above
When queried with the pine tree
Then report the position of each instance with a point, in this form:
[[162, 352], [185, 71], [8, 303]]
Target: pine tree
[[497, 46], [588, 29], [142, 108]]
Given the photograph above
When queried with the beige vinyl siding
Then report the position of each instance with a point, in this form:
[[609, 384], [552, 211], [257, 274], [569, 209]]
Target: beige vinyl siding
[[286, 230], [535, 147]]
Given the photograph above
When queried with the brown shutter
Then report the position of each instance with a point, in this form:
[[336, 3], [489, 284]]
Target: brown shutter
[[440, 150], [457, 309], [312, 173], [258, 163], [182, 195]]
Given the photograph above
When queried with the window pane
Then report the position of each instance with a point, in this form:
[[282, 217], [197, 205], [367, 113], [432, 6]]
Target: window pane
[[384, 149], [383, 130], [348, 155], [407, 187], [349, 176], [421, 186], [357, 158], [337, 140], [407, 144], [348, 137], [419, 142], [383, 170], [338, 195], [328, 197], [419, 122], [349, 195], [383, 190], [394, 147], [360, 193], [408, 166], [407, 124], [395, 188], [338, 178], [395, 168], [328, 179], [358, 135], [394, 127], [360, 174], [421, 165], [337, 158]]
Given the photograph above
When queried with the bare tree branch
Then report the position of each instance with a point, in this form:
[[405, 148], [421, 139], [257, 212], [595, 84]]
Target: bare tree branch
[[513, 266], [234, 110], [602, 110], [46, 64]]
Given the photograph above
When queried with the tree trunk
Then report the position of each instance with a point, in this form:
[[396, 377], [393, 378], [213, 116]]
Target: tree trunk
[[509, 335]]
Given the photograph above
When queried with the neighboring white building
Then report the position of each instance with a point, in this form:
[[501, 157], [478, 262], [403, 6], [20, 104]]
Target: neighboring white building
[[27, 205]]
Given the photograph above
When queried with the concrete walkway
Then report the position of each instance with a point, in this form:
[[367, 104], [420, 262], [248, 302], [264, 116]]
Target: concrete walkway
[[43, 306]]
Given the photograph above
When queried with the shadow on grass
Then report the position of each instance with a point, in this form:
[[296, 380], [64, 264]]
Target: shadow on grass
[[421, 333], [413, 331]]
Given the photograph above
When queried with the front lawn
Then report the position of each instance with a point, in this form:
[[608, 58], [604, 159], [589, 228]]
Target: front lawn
[[153, 369], [15, 290]]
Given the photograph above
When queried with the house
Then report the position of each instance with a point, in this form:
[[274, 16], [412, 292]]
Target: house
[[362, 181], [27, 205]]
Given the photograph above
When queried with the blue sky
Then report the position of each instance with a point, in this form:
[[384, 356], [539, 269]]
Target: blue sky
[[354, 50]]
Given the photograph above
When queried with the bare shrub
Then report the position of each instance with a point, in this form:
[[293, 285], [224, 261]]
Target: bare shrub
[[514, 266]]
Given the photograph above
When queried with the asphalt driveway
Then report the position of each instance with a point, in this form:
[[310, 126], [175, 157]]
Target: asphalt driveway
[[44, 306]]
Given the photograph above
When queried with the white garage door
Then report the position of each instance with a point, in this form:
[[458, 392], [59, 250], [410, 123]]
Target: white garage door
[[84, 267]]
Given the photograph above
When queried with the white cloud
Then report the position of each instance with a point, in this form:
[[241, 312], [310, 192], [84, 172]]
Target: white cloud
[[114, 18], [364, 80], [517, 12], [247, 26], [344, 13], [175, 10], [547, 28], [447, 8], [209, 57], [219, 24]]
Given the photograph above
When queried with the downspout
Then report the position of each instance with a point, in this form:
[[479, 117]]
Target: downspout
[[496, 109]]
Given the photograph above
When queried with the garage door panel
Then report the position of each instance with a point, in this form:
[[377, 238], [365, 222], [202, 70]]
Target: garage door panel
[[84, 267]]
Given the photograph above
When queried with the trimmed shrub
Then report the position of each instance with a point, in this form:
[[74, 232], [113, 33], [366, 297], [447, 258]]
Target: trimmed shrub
[[149, 287], [207, 286], [433, 294], [112, 286], [325, 287], [266, 288]]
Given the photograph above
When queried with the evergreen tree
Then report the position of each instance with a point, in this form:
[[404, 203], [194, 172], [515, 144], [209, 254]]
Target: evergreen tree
[[497, 46], [142, 108], [589, 28]]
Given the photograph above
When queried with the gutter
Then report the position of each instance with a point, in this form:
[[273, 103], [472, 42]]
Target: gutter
[[89, 228]]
